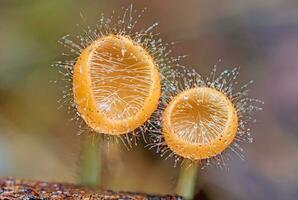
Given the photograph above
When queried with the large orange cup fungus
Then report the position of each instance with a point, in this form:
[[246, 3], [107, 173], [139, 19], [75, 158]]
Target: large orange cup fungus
[[116, 85]]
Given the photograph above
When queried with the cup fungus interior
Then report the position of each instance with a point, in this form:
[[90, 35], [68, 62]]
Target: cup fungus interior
[[116, 85], [199, 123]]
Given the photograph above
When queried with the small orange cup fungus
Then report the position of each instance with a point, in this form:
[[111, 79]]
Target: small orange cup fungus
[[199, 123]]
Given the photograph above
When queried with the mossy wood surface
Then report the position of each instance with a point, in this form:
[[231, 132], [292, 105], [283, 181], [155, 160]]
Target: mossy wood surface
[[13, 189]]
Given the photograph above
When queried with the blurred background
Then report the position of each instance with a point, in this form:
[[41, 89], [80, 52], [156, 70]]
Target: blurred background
[[37, 141]]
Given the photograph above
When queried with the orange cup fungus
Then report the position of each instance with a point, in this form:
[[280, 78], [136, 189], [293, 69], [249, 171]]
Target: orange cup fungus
[[199, 123], [116, 85]]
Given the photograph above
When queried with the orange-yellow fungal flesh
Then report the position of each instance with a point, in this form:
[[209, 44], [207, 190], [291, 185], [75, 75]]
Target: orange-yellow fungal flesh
[[199, 123], [116, 85]]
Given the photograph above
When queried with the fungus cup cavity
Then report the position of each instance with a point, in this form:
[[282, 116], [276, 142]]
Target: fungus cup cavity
[[199, 123], [116, 85]]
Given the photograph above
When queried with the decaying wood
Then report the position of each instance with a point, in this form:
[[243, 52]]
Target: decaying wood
[[14, 189]]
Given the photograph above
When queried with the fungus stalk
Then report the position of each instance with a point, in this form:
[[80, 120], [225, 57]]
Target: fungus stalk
[[90, 161], [187, 181]]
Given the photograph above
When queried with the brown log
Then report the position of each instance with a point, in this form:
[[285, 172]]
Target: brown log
[[14, 189]]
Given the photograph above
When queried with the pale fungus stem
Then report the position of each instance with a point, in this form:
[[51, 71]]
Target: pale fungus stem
[[187, 181], [90, 161]]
